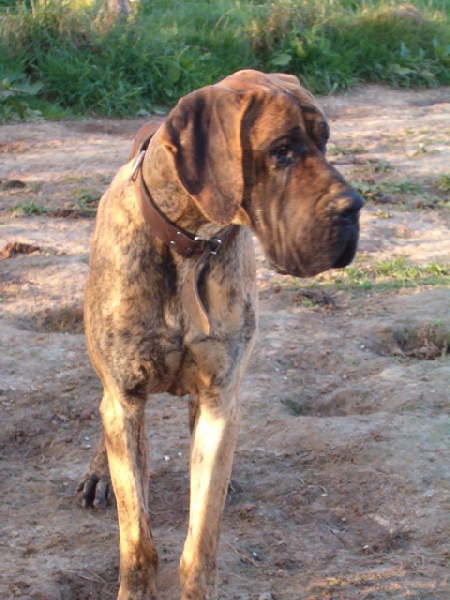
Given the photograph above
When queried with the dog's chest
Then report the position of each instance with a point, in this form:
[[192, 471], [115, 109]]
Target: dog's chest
[[176, 358]]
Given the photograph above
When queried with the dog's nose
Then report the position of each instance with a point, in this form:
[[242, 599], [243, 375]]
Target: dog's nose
[[347, 205]]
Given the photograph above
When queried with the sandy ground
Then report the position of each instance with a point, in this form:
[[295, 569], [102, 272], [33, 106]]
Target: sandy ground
[[341, 478]]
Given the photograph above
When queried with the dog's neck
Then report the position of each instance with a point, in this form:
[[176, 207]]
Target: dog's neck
[[177, 206], [172, 231]]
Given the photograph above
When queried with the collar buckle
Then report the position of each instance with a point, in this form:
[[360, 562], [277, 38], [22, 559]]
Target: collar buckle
[[214, 245]]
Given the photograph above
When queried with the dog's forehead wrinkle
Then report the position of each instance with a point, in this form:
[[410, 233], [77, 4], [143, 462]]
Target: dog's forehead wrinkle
[[269, 135]]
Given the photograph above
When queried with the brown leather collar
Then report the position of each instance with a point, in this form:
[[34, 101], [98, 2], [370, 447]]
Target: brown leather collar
[[182, 242]]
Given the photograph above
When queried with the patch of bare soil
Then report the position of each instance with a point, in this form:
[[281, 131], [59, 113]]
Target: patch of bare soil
[[340, 484]]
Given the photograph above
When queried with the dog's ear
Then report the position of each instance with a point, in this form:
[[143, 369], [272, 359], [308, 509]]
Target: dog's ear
[[202, 136], [315, 121]]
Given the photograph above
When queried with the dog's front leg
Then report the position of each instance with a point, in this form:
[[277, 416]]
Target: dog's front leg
[[213, 441], [126, 445]]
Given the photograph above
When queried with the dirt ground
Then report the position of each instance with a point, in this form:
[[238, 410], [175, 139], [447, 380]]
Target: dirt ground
[[340, 486]]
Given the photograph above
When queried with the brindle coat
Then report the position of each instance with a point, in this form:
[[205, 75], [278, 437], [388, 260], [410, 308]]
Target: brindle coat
[[248, 152]]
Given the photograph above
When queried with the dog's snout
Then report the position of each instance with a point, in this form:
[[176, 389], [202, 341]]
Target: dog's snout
[[347, 205]]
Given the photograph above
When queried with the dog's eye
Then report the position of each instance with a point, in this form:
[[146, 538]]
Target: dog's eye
[[284, 155]]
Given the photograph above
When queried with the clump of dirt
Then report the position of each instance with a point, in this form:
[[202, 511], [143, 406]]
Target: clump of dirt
[[15, 248], [65, 319], [421, 341], [315, 297], [12, 184], [339, 403], [70, 213]]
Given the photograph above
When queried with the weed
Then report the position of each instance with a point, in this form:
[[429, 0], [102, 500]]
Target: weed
[[87, 202], [294, 407], [65, 319], [379, 191], [439, 323], [68, 319], [443, 183], [403, 186], [422, 149], [306, 303], [345, 151], [396, 273], [354, 276], [27, 209], [312, 296], [15, 92], [371, 191], [382, 166], [383, 214]]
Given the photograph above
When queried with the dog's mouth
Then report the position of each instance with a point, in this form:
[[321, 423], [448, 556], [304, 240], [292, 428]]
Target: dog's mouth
[[347, 255], [296, 270], [317, 264]]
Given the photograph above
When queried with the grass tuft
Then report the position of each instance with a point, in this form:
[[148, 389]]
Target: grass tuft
[[27, 209], [393, 274]]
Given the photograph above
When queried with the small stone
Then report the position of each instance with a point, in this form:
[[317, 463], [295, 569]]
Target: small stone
[[86, 414]]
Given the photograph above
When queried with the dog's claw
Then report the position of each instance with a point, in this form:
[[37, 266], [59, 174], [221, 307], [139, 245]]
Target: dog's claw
[[94, 491], [103, 496], [95, 488]]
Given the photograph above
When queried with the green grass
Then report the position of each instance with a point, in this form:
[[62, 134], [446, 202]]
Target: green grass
[[373, 191], [56, 55], [87, 202], [360, 277], [443, 183], [406, 192], [27, 209], [393, 274]]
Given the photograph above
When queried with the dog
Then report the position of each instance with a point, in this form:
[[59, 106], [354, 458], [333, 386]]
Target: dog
[[171, 299]]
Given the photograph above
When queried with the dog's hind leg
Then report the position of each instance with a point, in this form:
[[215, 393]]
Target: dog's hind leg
[[123, 417], [217, 419], [95, 488]]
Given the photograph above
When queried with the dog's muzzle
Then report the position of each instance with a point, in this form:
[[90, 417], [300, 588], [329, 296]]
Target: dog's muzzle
[[327, 241], [346, 209]]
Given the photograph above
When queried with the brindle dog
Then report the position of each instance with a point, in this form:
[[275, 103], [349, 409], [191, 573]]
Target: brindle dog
[[171, 302]]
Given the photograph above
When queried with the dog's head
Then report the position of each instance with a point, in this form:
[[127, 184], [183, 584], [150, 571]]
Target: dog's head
[[250, 150]]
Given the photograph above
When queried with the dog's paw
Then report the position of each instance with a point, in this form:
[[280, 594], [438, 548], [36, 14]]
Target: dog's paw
[[94, 491]]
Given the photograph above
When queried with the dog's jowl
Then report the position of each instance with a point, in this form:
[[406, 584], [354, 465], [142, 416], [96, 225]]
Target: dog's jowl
[[171, 297]]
